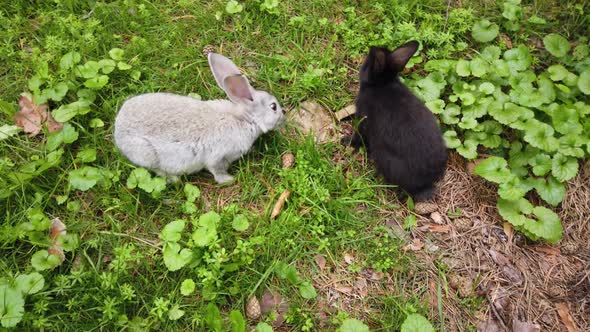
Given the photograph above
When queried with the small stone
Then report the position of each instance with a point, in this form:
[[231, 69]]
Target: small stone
[[253, 308], [288, 160], [424, 208]]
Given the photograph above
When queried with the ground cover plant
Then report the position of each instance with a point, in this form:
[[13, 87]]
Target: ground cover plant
[[90, 242]]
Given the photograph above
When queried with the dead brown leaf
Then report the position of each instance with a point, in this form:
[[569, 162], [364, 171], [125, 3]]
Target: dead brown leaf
[[279, 205], [498, 257], [507, 40], [509, 231], [489, 326], [437, 217], [566, 317], [416, 245], [553, 251], [513, 274], [377, 276], [57, 230], [274, 301], [518, 326], [439, 228], [33, 117], [320, 260], [343, 289]]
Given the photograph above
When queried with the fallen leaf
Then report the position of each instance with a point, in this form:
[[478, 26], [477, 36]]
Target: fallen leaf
[[416, 245], [498, 257], [518, 326], [462, 284], [253, 308], [513, 274], [361, 286], [279, 205], [311, 116], [320, 260], [554, 251], [348, 258], [32, 117], [343, 289], [345, 112], [489, 326], [509, 231], [564, 312], [288, 160], [437, 217], [439, 228], [507, 40], [57, 230], [274, 301], [377, 276]]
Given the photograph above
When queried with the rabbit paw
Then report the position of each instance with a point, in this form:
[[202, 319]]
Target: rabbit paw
[[223, 178]]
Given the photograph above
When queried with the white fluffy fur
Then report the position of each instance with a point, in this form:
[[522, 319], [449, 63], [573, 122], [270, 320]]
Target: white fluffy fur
[[174, 135]]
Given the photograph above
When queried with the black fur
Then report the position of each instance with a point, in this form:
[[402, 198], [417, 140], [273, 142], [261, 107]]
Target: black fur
[[399, 132]]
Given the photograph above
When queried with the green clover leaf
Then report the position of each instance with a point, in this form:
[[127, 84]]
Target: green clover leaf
[[564, 168], [514, 211], [187, 287], [240, 223], [233, 7], [353, 325], [172, 232], [29, 284], [451, 140], [174, 257], [494, 169], [416, 323], [484, 31], [584, 81], [307, 290], [547, 226], [550, 190], [557, 45]]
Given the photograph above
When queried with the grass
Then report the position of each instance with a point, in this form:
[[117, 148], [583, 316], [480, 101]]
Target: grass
[[300, 50]]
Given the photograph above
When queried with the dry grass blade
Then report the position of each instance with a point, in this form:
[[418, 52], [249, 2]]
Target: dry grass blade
[[280, 203], [564, 312]]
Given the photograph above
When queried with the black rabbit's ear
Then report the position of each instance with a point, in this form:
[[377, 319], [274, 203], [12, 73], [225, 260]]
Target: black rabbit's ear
[[401, 55], [375, 64]]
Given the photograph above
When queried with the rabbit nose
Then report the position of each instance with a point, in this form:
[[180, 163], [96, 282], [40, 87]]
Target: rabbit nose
[[284, 111]]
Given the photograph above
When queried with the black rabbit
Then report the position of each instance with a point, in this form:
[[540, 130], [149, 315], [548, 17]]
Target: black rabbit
[[398, 131]]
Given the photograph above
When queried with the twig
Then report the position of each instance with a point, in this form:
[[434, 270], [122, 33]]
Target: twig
[[144, 241], [496, 314]]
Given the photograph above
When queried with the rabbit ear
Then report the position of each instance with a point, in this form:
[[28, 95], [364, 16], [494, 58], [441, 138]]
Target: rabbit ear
[[375, 63], [222, 67], [401, 55], [238, 88]]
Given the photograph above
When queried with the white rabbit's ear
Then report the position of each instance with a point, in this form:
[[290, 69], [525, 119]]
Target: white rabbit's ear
[[222, 67], [238, 88]]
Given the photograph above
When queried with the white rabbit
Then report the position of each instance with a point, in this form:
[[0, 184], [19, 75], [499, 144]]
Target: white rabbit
[[174, 135]]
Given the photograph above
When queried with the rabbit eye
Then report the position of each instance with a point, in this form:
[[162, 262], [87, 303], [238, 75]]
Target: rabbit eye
[[273, 107]]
